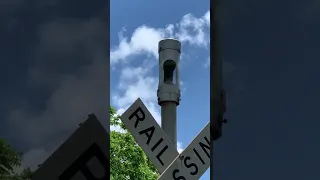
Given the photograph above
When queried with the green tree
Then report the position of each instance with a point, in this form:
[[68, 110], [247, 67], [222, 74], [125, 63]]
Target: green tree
[[9, 160], [127, 159]]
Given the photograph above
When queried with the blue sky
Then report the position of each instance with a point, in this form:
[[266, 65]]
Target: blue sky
[[134, 58]]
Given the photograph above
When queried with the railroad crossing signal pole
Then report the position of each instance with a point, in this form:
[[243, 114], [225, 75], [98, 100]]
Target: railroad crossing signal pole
[[169, 86], [160, 144]]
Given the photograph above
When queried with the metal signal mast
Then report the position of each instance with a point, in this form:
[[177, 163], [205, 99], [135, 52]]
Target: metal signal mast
[[169, 86]]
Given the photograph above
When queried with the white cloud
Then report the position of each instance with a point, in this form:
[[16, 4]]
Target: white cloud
[[144, 40], [179, 147], [144, 87], [194, 30], [139, 86]]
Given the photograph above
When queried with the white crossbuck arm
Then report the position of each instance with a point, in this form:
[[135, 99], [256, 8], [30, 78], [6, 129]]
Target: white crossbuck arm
[[193, 162], [149, 135], [190, 164]]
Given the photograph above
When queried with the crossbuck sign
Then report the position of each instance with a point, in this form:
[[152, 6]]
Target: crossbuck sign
[[189, 165]]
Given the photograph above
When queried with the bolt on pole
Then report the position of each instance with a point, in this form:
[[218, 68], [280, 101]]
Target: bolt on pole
[[169, 86]]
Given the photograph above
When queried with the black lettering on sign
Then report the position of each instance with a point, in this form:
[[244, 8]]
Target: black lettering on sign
[[191, 165], [135, 113], [160, 153], [81, 165], [177, 178], [205, 147], [188, 165], [145, 131]]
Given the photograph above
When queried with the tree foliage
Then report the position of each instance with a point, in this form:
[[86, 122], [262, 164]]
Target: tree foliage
[[127, 159], [10, 159]]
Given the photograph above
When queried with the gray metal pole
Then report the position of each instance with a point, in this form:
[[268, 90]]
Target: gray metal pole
[[169, 86], [169, 120]]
